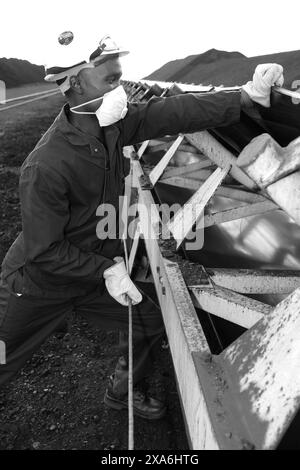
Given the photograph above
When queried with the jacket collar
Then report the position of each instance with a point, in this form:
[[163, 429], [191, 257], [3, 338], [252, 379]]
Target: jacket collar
[[76, 137]]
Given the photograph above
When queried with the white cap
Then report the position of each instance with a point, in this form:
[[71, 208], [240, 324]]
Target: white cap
[[72, 55]]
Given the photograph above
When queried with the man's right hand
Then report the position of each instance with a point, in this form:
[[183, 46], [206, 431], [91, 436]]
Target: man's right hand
[[265, 76], [119, 284]]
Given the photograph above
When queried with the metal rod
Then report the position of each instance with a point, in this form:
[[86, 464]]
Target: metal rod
[[204, 89], [130, 365], [284, 91]]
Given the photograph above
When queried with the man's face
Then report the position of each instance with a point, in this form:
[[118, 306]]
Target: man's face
[[95, 82]]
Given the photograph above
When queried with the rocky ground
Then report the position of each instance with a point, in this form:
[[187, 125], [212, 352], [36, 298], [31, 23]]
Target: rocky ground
[[56, 401]]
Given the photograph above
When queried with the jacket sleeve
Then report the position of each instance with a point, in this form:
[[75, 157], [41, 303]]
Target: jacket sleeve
[[181, 113], [45, 214]]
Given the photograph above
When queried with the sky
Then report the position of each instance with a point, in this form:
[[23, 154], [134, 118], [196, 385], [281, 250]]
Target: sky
[[154, 31]]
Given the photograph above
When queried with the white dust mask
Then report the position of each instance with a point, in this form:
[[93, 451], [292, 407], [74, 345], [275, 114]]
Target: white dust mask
[[113, 107]]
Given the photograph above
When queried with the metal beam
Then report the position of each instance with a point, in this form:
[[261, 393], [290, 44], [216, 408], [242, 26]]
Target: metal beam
[[182, 170], [227, 304], [229, 192], [160, 167], [182, 182], [239, 212], [161, 145], [219, 155], [249, 281], [142, 148], [185, 218], [262, 368], [240, 194]]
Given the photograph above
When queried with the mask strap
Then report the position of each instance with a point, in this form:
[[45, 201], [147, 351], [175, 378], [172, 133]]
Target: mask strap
[[73, 109], [81, 112]]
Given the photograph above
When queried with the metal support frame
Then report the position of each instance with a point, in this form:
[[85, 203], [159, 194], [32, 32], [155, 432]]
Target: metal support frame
[[246, 397], [184, 219]]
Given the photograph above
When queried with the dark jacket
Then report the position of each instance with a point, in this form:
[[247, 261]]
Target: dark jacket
[[69, 174]]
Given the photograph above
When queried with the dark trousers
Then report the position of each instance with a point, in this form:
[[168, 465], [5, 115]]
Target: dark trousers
[[25, 322]]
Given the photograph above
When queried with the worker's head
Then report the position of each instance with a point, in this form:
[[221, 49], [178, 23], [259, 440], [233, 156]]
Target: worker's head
[[84, 77], [84, 73], [92, 83]]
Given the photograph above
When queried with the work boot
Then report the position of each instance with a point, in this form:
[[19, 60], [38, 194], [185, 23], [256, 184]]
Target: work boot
[[144, 406]]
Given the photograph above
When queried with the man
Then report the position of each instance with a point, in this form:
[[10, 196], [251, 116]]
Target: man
[[58, 265]]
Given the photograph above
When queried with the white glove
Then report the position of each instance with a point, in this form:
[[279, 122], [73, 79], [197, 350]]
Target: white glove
[[119, 284], [265, 76]]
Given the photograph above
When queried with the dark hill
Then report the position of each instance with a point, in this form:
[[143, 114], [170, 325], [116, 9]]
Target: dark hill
[[225, 68], [16, 72]]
